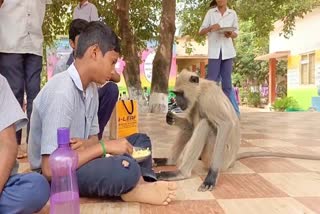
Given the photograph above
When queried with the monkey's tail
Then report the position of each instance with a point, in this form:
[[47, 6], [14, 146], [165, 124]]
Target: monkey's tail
[[276, 154]]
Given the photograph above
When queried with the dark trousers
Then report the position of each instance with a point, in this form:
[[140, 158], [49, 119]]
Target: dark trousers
[[108, 97], [23, 74], [107, 177], [220, 70]]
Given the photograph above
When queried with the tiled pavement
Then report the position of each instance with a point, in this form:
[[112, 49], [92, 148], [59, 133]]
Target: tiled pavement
[[253, 186]]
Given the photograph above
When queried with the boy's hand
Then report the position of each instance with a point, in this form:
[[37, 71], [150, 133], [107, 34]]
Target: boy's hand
[[214, 27], [119, 147], [77, 144], [230, 34]]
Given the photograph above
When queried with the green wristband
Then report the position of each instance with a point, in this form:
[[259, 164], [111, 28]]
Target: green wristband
[[103, 148]]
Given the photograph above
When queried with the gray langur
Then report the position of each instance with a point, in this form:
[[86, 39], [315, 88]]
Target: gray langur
[[210, 129]]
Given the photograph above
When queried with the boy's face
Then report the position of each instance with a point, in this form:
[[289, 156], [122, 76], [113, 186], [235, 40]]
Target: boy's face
[[222, 3], [104, 65]]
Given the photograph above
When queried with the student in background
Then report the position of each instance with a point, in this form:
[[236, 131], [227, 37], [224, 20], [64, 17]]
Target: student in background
[[21, 50], [221, 50], [86, 10]]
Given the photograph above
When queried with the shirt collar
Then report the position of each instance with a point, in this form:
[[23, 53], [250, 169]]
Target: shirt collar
[[75, 77], [215, 9], [89, 92], [77, 81]]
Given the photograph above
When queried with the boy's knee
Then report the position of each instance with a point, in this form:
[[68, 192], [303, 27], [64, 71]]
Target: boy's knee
[[141, 140], [37, 191], [112, 89], [31, 193], [132, 173], [146, 140]]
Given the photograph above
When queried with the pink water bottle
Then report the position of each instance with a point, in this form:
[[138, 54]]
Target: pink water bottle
[[64, 186]]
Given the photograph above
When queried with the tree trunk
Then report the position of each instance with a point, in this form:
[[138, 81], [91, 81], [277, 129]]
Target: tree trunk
[[132, 70], [162, 61]]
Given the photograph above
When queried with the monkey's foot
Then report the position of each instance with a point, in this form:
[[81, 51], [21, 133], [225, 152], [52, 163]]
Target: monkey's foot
[[210, 181], [157, 193], [170, 176]]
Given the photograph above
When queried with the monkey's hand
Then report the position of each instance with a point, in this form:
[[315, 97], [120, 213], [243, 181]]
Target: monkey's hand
[[171, 118]]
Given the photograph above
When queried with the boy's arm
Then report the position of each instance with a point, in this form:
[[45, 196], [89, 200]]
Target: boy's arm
[[12, 118], [58, 113], [114, 147], [8, 151]]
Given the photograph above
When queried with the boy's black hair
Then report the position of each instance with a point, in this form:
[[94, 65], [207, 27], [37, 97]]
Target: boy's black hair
[[76, 27], [97, 33], [213, 4]]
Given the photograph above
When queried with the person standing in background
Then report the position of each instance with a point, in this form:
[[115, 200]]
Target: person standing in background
[[221, 50], [86, 10], [21, 48]]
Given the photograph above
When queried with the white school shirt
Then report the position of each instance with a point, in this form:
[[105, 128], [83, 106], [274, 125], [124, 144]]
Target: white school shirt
[[87, 11], [21, 26], [217, 41]]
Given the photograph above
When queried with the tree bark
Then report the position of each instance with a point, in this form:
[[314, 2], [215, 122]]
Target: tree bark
[[163, 58], [132, 70]]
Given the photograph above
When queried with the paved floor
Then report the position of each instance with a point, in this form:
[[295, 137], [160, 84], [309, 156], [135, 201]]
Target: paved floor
[[256, 185]]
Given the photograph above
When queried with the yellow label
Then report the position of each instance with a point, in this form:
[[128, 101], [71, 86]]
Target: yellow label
[[294, 62]]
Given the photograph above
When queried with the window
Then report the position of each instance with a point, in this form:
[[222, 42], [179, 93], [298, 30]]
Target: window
[[307, 69]]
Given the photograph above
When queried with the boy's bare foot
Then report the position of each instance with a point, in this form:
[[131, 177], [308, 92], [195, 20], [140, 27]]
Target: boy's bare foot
[[157, 193]]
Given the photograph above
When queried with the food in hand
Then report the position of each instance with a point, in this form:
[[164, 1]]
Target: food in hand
[[140, 153]]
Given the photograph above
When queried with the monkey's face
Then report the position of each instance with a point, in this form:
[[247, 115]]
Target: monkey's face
[[186, 89], [181, 101]]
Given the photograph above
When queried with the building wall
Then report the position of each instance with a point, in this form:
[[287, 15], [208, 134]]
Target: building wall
[[302, 93], [305, 40], [305, 37]]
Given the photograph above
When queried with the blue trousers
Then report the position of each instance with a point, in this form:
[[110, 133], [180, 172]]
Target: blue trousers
[[219, 69], [107, 177], [23, 74], [24, 194], [108, 97]]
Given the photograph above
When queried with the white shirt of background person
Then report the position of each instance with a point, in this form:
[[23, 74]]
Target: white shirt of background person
[[217, 41], [21, 26], [86, 11]]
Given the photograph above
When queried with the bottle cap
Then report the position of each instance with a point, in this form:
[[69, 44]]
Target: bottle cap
[[63, 136]]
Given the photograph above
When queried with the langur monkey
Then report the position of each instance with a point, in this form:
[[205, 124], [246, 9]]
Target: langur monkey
[[210, 130]]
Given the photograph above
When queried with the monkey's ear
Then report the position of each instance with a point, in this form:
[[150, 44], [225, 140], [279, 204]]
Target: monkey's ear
[[194, 79]]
